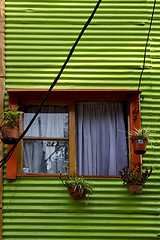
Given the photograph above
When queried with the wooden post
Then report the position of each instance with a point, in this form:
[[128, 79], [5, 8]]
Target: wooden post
[[11, 168], [2, 91], [135, 123]]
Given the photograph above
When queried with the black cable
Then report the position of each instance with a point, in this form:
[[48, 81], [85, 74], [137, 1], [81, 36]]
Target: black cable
[[8, 155], [144, 60]]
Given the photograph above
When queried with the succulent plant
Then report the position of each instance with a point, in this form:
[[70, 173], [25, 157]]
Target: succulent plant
[[140, 134], [78, 183], [135, 175]]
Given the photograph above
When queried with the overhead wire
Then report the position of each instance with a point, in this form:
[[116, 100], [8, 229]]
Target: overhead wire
[[146, 45], [10, 152]]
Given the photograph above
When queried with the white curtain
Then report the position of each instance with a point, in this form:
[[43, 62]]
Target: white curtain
[[33, 157], [46, 156], [100, 138], [51, 122]]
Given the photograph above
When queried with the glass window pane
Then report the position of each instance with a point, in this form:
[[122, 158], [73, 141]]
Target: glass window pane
[[45, 156], [52, 121]]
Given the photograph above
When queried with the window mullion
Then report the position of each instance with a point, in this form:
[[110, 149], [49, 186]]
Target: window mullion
[[72, 150]]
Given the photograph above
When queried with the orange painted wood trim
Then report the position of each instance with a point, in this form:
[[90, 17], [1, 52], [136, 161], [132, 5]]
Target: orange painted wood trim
[[72, 144], [11, 169], [46, 138], [132, 96], [75, 90], [135, 120], [57, 175], [35, 96]]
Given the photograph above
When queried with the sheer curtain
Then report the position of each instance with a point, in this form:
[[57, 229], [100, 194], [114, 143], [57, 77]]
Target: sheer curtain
[[46, 156], [100, 138]]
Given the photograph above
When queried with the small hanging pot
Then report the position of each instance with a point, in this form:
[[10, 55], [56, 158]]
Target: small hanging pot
[[9, 134], [135, 188], [76, 195], [139, 146]]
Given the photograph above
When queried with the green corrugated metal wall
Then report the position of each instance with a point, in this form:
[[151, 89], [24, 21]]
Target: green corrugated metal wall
[[39, 35]]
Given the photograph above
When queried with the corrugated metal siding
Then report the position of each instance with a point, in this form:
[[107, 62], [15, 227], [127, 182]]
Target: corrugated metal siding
[[42, 209], [39, 35], [155, 82]]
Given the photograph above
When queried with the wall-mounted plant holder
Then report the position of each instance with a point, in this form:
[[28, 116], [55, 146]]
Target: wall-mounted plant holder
[[135, 178], [140, 138], [135, 188], [9, 134], [77, 186], [139, 146], [9, 126], [75, 194]]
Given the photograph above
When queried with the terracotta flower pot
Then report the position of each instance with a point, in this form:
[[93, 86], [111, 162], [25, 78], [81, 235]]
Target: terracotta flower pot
[[135, 188], [139, 146], [76, 195], [9, 134]]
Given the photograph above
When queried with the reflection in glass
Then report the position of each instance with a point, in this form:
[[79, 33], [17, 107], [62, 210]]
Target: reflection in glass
[[45, 156]]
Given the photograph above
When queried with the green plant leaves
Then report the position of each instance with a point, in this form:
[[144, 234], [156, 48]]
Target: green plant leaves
[[135, 175], [78, 183], [10, 117], [140, 134]]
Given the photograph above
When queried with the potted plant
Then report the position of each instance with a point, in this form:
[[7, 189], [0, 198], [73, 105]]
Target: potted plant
[[139, 139], [9, 126], [77, 186], [135, 178]]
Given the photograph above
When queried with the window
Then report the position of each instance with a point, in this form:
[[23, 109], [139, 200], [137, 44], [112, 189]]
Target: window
[[46, 144], [81, 131], [101, 147]]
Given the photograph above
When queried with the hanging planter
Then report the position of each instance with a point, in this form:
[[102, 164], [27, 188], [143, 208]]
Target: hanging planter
[[76, 194], [9, 134], [9, 127], [139, 139], [135, 188], [77, 186], [135, 178], [139, 146]]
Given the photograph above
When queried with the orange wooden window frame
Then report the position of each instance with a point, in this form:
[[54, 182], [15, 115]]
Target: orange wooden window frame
[[71, 118], [21, 97]]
